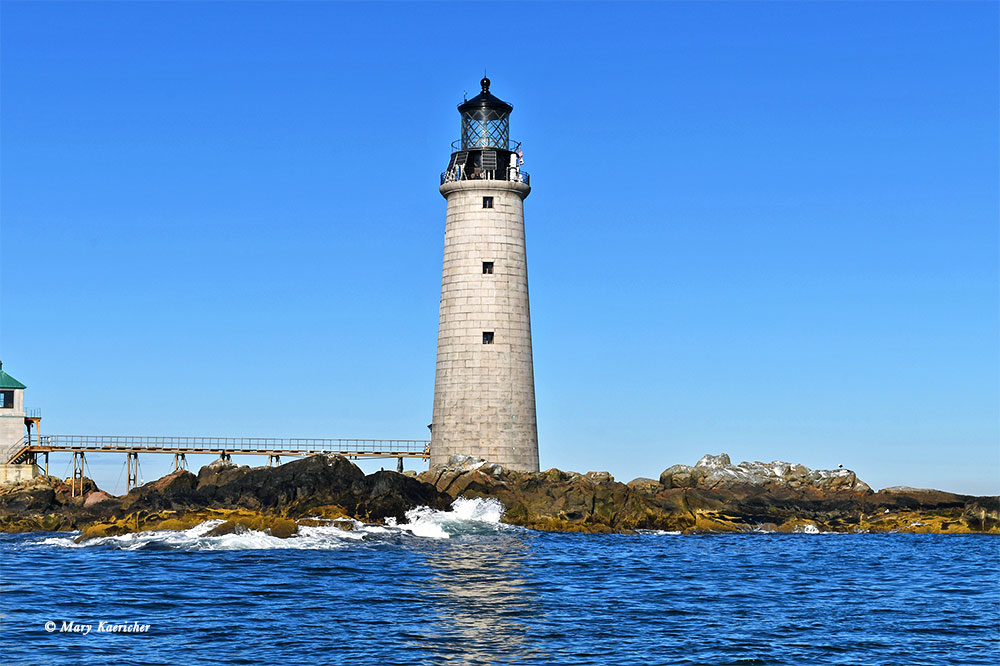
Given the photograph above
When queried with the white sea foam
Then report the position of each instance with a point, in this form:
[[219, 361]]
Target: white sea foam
[[466, 516], [659, 532], [761, 529]]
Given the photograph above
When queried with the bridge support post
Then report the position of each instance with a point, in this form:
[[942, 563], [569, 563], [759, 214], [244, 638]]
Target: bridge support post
[[224, 456], [180, 462], [273, 460], [77, 472], [133, 471], [399, 465], [46, 463]]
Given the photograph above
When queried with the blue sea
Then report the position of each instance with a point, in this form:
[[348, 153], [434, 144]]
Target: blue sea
[[459, 587]]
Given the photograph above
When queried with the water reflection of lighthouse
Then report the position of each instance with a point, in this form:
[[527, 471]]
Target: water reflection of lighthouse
[[481, 601]]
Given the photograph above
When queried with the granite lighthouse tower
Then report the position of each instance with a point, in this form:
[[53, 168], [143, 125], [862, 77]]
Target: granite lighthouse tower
[[484, 386]]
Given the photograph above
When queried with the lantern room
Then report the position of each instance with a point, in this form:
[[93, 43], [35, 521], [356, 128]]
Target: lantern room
[[485, 120], [485, 151]]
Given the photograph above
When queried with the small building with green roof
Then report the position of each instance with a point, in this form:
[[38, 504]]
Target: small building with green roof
[[14, 424]]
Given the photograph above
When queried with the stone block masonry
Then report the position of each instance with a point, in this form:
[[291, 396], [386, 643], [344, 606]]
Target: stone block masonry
[[484, 388]]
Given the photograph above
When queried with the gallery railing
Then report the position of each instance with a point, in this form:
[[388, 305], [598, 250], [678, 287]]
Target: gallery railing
[[511, 175]]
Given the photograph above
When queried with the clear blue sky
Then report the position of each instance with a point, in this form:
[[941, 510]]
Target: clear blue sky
[[765, 229]]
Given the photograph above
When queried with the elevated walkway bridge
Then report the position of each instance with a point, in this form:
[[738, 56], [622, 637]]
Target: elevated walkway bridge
[[27, 452]]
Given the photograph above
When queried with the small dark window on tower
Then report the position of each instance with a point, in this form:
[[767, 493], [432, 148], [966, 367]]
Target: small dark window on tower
[[7, 397], [487, 337], [487, 202], [487, 268]]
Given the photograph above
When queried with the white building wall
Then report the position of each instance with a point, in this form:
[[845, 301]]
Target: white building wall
[[12, 426]]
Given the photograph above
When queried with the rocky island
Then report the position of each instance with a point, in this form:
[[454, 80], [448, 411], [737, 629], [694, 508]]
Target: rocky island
[[713, 495]]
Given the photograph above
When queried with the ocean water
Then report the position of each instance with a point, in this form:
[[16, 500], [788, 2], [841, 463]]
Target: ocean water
[[459, 587]]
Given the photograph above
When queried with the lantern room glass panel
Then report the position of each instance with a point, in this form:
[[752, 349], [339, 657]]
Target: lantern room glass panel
[[485, 129]]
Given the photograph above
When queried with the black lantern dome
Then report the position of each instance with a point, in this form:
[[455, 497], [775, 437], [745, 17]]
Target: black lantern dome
[[485, 120], [485, 151]]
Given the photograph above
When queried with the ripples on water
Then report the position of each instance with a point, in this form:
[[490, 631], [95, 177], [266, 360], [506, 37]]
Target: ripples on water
[[460, 588]]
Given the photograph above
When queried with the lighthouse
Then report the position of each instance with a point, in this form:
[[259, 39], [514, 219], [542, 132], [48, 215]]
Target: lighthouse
[[484, 386]]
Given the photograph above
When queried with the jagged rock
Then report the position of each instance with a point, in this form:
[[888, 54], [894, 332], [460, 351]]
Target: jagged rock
[[982, 514], [283, 528], [458, 461], [28, 499], [345, 525], [718, 472], [219, 472], [236, 521], [552, 499], [97, 496], [176, 482], [328, 486], [492, 468], [174, 491], [220, 464], [677, 476], [642, 484], [64, 491], [300, 486], [47, 503], [228, 527], [902, 499], [713, 495], [720, 461], [392, 494]]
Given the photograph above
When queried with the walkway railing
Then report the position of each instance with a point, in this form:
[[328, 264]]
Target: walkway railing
[[271, 446], [11, 452]]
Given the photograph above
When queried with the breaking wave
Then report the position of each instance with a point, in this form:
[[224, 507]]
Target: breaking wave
[[466, 517]]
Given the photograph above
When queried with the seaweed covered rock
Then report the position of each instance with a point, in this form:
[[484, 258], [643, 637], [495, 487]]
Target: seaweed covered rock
[[712, 496], [322, 485], [48, 503]]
